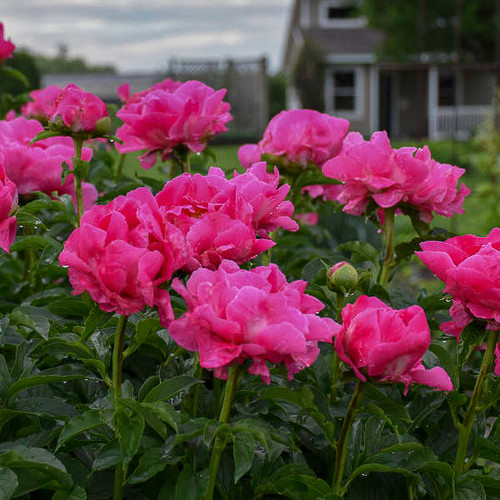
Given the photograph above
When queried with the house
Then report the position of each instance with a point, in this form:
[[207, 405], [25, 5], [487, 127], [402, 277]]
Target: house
[[427, 97]]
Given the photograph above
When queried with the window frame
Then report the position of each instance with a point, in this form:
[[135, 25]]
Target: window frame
[[325, 22], [358, 92]]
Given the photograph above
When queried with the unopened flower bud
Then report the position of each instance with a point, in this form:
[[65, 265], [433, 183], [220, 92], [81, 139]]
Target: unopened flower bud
[[342, 277]]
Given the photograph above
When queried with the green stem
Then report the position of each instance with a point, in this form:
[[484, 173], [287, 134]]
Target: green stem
[[335, 375], [119, 168], [220, 442], [77, 173], [196, 389], [117, 392], [343, 441], [389, 246], [465, 428]]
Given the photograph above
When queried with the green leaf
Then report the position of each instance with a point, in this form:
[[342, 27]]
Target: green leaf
[[108, 456], [301, 397], [129, 426], [97, 318], [469, 489], [409, 456], [190, 485], [360, 252], [29, 220], [472, 336], [8, 483], [367, 468], [46, 134], [5, 378], [16, 75], [169, 388], [255, 428], [34, 380], [487, 449], [143, 329], [77, 493], [243, 452], [69, 307], [60, 345], [84, 422], [36, 242], [36, 459], [153, 461], [155, 414]]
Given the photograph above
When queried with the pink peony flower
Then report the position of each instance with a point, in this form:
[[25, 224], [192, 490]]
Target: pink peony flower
[[124, 90], [304, 137], [122, 253], [41, 101], [6, 46], [233, 315], [188, 116], [38, 166], [222, 218], [269, 208], [387, 345], [78, 111], [248, 154], [307, 218], [470, 267], [8, 204], [372, 170]]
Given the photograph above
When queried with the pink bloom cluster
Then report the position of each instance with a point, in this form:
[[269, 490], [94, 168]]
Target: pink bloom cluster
[[38, 166], [123, 252], [235, 315], [372, 170], [124, 90], [222, 218], [470, 267], [42, 100], [78, 111], [6, 46], [300, 138], [8, 203], [387, 344], [167, 116]]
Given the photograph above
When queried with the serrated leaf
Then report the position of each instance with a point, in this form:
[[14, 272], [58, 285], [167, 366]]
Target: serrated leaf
[[169, 388], [129, 426], [81, 423], [243, 452]]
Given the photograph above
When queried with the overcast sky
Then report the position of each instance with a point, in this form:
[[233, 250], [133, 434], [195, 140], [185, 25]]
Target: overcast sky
[[142, 35]]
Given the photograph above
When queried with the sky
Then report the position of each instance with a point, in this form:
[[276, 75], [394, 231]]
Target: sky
[[142, 35]]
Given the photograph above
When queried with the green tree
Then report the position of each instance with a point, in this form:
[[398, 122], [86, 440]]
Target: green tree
[[462, 30]]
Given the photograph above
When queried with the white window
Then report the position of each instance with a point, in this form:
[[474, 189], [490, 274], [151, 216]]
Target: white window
[[340, 14], [344, 92]]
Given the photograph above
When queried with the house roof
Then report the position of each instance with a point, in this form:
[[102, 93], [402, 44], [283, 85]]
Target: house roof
[[346, 41]]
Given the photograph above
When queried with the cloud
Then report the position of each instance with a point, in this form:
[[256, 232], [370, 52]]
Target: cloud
[[144, 35]]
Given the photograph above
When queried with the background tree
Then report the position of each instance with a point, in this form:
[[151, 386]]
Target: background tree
[[460, 30]]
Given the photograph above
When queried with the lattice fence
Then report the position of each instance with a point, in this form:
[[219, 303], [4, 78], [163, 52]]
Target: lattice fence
[[246, 82]]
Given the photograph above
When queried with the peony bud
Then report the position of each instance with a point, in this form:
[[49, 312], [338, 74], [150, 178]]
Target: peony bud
[[342, 277]]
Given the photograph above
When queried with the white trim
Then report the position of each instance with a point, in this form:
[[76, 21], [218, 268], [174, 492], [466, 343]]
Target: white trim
[[395, 111], [361, 58], [324, 22], [305, 14], [432, 101], [374, 98], [359, 92]]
